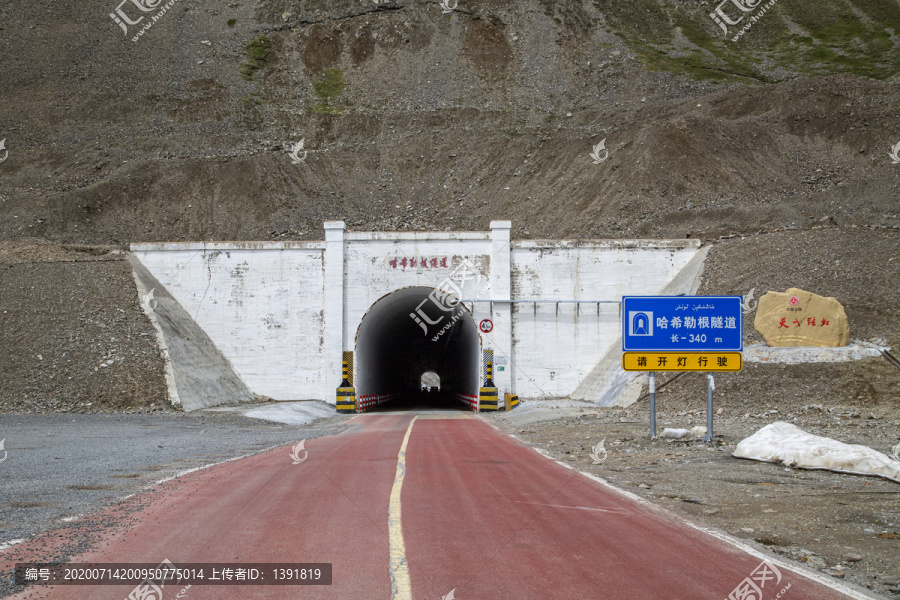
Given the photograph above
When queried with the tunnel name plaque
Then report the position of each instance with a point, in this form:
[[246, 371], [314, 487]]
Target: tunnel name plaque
[[157, 576]]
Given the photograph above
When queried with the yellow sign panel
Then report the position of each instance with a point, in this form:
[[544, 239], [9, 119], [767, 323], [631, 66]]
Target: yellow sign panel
[[682, 361]]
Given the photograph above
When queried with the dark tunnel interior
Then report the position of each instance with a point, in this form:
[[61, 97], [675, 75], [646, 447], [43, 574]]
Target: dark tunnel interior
[[411, 332]]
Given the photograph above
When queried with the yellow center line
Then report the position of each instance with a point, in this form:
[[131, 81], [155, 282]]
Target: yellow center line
[[401, 587]]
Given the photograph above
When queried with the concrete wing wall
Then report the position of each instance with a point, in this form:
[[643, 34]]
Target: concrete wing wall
[[608, 384], [282, 313], [555, 348], [198, 375], [260, 303]]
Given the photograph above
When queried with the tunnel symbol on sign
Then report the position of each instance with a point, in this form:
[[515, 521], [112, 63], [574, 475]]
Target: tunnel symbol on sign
[[641, 323], [486, 326]]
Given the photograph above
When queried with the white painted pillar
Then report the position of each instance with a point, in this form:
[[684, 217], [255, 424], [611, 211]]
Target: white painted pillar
[[500, 339], [333, 311]]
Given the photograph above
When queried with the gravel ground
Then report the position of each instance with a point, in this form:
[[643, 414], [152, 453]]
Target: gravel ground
[[857, 266], [63, 465], [73, 337]]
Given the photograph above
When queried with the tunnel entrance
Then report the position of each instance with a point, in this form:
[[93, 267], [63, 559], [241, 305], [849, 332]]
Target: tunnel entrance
[[412, 336], [431, 381]]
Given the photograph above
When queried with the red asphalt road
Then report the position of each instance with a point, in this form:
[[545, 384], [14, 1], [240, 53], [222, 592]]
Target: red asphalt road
[[481, 514]]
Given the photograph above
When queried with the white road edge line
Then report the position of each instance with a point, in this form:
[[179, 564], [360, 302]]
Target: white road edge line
[[195, 469], [401, 586], [741, 545], [738, 543], [829, 582], [606, 510]]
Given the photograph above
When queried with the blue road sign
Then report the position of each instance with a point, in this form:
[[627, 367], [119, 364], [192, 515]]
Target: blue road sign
[[682, 323]]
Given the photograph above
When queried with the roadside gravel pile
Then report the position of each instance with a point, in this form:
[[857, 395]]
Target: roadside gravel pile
[[73, 337]]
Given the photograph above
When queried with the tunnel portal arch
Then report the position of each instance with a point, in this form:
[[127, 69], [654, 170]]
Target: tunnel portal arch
[[394, 348]]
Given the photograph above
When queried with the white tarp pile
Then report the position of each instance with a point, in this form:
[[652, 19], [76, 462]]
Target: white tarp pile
[[788, 444]]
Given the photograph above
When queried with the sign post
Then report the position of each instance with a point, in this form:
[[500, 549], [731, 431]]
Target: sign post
[[682, 333]]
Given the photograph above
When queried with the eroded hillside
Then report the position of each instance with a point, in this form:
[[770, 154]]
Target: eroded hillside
[[413, 118]]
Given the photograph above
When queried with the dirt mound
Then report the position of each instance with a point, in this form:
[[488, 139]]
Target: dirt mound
[[857, 266], [72, 335]]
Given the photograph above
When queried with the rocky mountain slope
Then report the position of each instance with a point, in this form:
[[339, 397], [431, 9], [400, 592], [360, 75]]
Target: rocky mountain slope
[[776, 144], [413, 118]]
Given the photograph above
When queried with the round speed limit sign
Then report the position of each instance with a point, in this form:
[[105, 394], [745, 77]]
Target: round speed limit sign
[[486, 326]]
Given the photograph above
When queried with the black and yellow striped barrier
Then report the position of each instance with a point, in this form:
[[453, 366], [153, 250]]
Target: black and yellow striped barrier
[[487, 395], [512, 401], [346, 393]]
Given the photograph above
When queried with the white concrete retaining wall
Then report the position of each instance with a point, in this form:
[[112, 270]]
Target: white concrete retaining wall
[[260, 303], [556, 346], [282, 312]]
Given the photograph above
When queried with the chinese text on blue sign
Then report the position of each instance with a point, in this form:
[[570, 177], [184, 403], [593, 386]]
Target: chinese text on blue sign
[[685, 323]]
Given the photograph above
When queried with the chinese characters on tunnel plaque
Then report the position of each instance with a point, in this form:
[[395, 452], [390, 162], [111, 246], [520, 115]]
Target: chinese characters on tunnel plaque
[[682, 333], [439, 262]]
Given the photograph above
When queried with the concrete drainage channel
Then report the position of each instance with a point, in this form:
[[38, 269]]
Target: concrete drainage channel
[[289, 413]]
